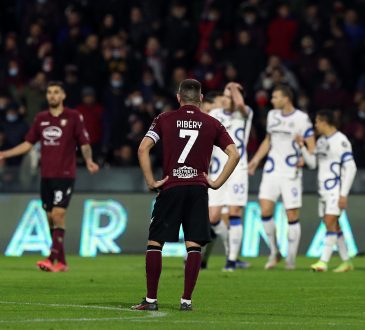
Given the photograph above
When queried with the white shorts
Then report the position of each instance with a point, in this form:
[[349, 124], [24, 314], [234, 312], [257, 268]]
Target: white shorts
[[328, 204], [234, 191], [290, 190]]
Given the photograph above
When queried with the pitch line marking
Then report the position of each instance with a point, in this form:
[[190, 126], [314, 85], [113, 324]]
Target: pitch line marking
[[110, 308]]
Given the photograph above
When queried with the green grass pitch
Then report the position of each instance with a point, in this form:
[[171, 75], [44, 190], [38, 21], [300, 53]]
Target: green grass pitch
[[97, 293]]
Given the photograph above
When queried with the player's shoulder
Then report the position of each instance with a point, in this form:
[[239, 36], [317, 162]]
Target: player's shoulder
[[301, 114], [71, 112], [216, 112], [166, 115], [341, 139], [273, 112]]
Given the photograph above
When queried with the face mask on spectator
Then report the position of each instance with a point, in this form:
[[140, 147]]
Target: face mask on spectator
[[267, 83], [116, 83], [136, 101], [11, 117], [116, 53], [13, 72], [361, 114]]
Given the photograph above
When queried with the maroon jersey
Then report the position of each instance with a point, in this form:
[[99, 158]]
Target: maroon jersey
[[188, 136], [59, 137]]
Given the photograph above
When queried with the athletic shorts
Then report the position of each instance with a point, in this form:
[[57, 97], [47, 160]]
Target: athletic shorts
[[233, 192], [181, 205], [328, 204], [290, 190], [56, 193]]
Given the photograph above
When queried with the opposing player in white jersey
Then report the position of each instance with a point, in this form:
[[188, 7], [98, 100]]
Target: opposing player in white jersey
[[282, 175], [236, 117], [336, 173]]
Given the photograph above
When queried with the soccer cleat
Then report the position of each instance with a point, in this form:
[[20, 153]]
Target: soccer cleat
[[319, 266], [230, 266], [145, 306], [344, 267], [60, 267], [186, 307], [273, 261], [289, 266], [242, 264], [45, 265]]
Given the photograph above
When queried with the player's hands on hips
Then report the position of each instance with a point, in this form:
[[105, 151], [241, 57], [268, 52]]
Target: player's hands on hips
[[212, 184], [252, 165], [156, 185], [342, 202], [92, 167]]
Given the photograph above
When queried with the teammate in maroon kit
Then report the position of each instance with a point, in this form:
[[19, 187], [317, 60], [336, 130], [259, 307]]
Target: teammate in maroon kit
[[59, 131], [187, 136]]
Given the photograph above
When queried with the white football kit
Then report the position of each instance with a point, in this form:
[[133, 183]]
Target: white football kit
[[281, 176], [235, 190], [336, 170]]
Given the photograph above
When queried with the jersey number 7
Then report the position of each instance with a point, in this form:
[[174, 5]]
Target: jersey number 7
[[193, 134]]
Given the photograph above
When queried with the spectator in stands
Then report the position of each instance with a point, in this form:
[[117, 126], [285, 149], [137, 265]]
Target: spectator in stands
[[33, 96], [125, 156], [72, 85], [15, 129], [207, 72], [115, 117], [282, 32], [155, 59], [138, 28], [92, 112], [89, 56], [330, 94], [248, 60]]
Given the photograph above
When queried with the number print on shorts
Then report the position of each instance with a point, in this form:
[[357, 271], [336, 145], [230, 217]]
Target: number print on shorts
[[193, 134], [58, 195]]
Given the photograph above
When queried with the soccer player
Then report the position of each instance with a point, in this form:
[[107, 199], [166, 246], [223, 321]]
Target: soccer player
[[59, 131], [282, 173], [336, 173], [187, 136], [236, 117]]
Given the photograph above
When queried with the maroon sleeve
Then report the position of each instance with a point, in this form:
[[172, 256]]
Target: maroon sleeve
[[33, 135], [154, 132], [82, 136], [223, 139]]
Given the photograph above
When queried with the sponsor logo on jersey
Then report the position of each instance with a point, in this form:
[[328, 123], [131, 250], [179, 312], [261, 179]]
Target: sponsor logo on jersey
[[63, 122], [185, 172], [44, 123], [51, 135]]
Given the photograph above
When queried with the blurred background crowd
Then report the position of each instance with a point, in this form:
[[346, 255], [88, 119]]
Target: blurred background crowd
[[121, 62]]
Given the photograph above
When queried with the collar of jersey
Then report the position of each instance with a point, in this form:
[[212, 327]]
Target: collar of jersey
[[189, 107], [329, 136], [288, 114]]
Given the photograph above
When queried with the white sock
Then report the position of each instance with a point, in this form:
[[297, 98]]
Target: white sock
[[294, 232], [185, 301], [235, 233], [329, 243], [270, 230], [221, 230], [149, 300], [342, 248]]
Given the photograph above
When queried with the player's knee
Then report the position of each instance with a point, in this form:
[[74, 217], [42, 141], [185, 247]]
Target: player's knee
[[58, 215]]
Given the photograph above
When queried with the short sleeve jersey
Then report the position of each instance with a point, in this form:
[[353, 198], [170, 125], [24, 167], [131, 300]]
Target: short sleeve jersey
[[187, 136], [284, 151], [331, 153], [238, 127], [59, 137]]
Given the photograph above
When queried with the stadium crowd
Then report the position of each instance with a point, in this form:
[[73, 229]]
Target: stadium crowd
[[121, 62]]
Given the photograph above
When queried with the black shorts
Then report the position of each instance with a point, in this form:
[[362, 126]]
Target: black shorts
[[56, 193], [186, 205]]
